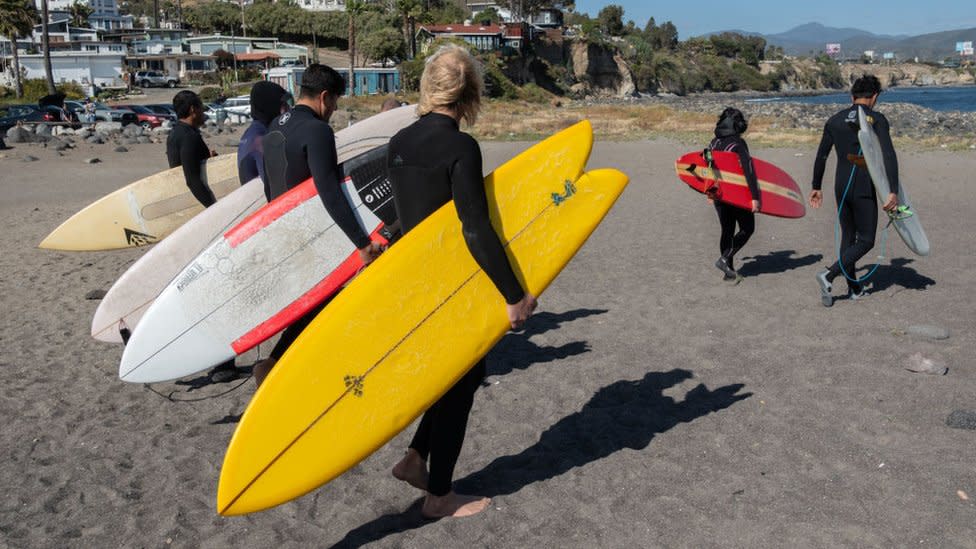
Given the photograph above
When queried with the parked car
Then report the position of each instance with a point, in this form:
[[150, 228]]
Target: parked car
[[146, 118], [148, 79], [238, 105], [53, 113], [10, 115], [164, 110]]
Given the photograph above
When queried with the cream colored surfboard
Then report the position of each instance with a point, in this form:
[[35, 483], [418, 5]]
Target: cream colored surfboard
[[143, 212]]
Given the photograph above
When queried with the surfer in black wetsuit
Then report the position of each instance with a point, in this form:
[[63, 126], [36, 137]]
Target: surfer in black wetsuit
[[300, 144], [185, 146], [728, 138], [853, 188], [268, 100], [432, 162]]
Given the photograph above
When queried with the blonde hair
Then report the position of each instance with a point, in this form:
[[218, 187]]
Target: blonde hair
[[452, 79]]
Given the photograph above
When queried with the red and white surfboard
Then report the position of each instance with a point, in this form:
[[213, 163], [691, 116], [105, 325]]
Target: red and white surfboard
[[257, 279]]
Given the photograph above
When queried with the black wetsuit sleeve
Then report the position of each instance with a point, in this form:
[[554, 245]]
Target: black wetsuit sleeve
[[883, 130], [820, 162], [323, 164], [468, 189], [745, 160], [193, 154]]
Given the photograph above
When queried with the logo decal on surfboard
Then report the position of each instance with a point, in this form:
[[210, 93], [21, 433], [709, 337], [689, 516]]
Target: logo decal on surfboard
[[135, 238], [558, 199], [356, 384]]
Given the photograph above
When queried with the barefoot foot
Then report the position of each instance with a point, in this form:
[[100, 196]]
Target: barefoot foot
[[453, 505], [412, 469]]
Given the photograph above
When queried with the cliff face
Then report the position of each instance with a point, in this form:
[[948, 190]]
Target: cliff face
[[599, 71], [910, 74], [805, 74]]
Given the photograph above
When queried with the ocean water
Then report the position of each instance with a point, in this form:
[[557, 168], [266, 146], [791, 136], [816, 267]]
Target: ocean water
[[961, 98]]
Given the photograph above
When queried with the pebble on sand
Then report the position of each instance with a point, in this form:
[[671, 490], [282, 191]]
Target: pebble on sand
[[919, 364], [962, 419], [928, 331], [29, 158], [92, 160], [95, 294]]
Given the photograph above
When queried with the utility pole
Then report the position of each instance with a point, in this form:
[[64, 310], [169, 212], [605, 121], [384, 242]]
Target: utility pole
[[243, 25]]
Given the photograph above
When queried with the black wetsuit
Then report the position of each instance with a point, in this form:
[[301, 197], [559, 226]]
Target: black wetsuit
[[859, 209], [432, 162], [185, 147], [299, 145], [730, 242]]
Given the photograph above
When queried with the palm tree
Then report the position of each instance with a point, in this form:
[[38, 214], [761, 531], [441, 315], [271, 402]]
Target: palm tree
[[409, 10], [46, 41], [80, 12], [354, 8], [17, 20]]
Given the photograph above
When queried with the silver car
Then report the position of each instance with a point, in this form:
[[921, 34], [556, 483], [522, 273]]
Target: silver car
[[148, 79]]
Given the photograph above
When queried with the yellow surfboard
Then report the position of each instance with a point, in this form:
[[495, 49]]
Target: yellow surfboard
[[402, 333], [142, 212]]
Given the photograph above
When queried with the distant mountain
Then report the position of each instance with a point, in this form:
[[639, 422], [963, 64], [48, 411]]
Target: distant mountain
[[813, 37]]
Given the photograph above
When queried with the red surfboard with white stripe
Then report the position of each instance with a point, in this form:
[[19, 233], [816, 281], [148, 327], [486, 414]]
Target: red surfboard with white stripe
[[780, 196], [264, 274]]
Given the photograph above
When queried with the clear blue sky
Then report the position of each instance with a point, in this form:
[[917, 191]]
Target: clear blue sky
[[696, 17]]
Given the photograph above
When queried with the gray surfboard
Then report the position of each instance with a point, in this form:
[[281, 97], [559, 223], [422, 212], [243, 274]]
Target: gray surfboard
[[909, 229]]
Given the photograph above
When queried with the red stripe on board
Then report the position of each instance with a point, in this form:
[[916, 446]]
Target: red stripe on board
[[267, 214], [304, 303]]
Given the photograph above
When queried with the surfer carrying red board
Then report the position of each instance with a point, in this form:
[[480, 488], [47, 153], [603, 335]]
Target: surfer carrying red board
[[300, 144], [431, 163], [728, 138], [853, 188]]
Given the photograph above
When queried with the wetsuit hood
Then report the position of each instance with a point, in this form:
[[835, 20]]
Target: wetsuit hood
[[266, 100], [725, 127]]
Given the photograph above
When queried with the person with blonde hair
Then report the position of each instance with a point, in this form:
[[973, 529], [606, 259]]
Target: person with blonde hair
[[431, 163]]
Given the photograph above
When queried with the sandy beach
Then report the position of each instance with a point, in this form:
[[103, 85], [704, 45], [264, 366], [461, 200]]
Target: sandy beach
[[647, 404]]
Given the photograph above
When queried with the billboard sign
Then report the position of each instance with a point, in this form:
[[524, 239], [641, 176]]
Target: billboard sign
[[889, 55], [833, 49]]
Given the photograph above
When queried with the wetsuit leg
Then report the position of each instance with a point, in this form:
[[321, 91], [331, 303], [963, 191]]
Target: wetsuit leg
[[747, 225], [859, 225], [440, 434], [726, 219]]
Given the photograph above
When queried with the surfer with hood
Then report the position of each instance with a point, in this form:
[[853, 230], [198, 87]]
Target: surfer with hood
[[856, 200], [268, 100], [728, 138]]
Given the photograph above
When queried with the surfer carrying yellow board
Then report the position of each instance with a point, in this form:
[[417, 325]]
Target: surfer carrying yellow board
[[853, 188], [431, 163]]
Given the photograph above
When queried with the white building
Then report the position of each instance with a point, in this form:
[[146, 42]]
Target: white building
[[102, 69], [322, 5], [105, 17]]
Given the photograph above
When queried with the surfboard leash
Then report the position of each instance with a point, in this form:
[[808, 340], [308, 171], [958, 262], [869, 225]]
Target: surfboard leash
[[170, 398], [884, 232]]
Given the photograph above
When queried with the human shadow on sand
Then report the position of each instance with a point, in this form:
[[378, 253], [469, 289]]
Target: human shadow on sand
[[897, 273], [624, 414], [517, 352], [777, 262]]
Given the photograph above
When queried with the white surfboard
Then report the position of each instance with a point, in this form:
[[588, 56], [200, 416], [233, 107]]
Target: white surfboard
[[130, 296], [909, 228], [257, 278]]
